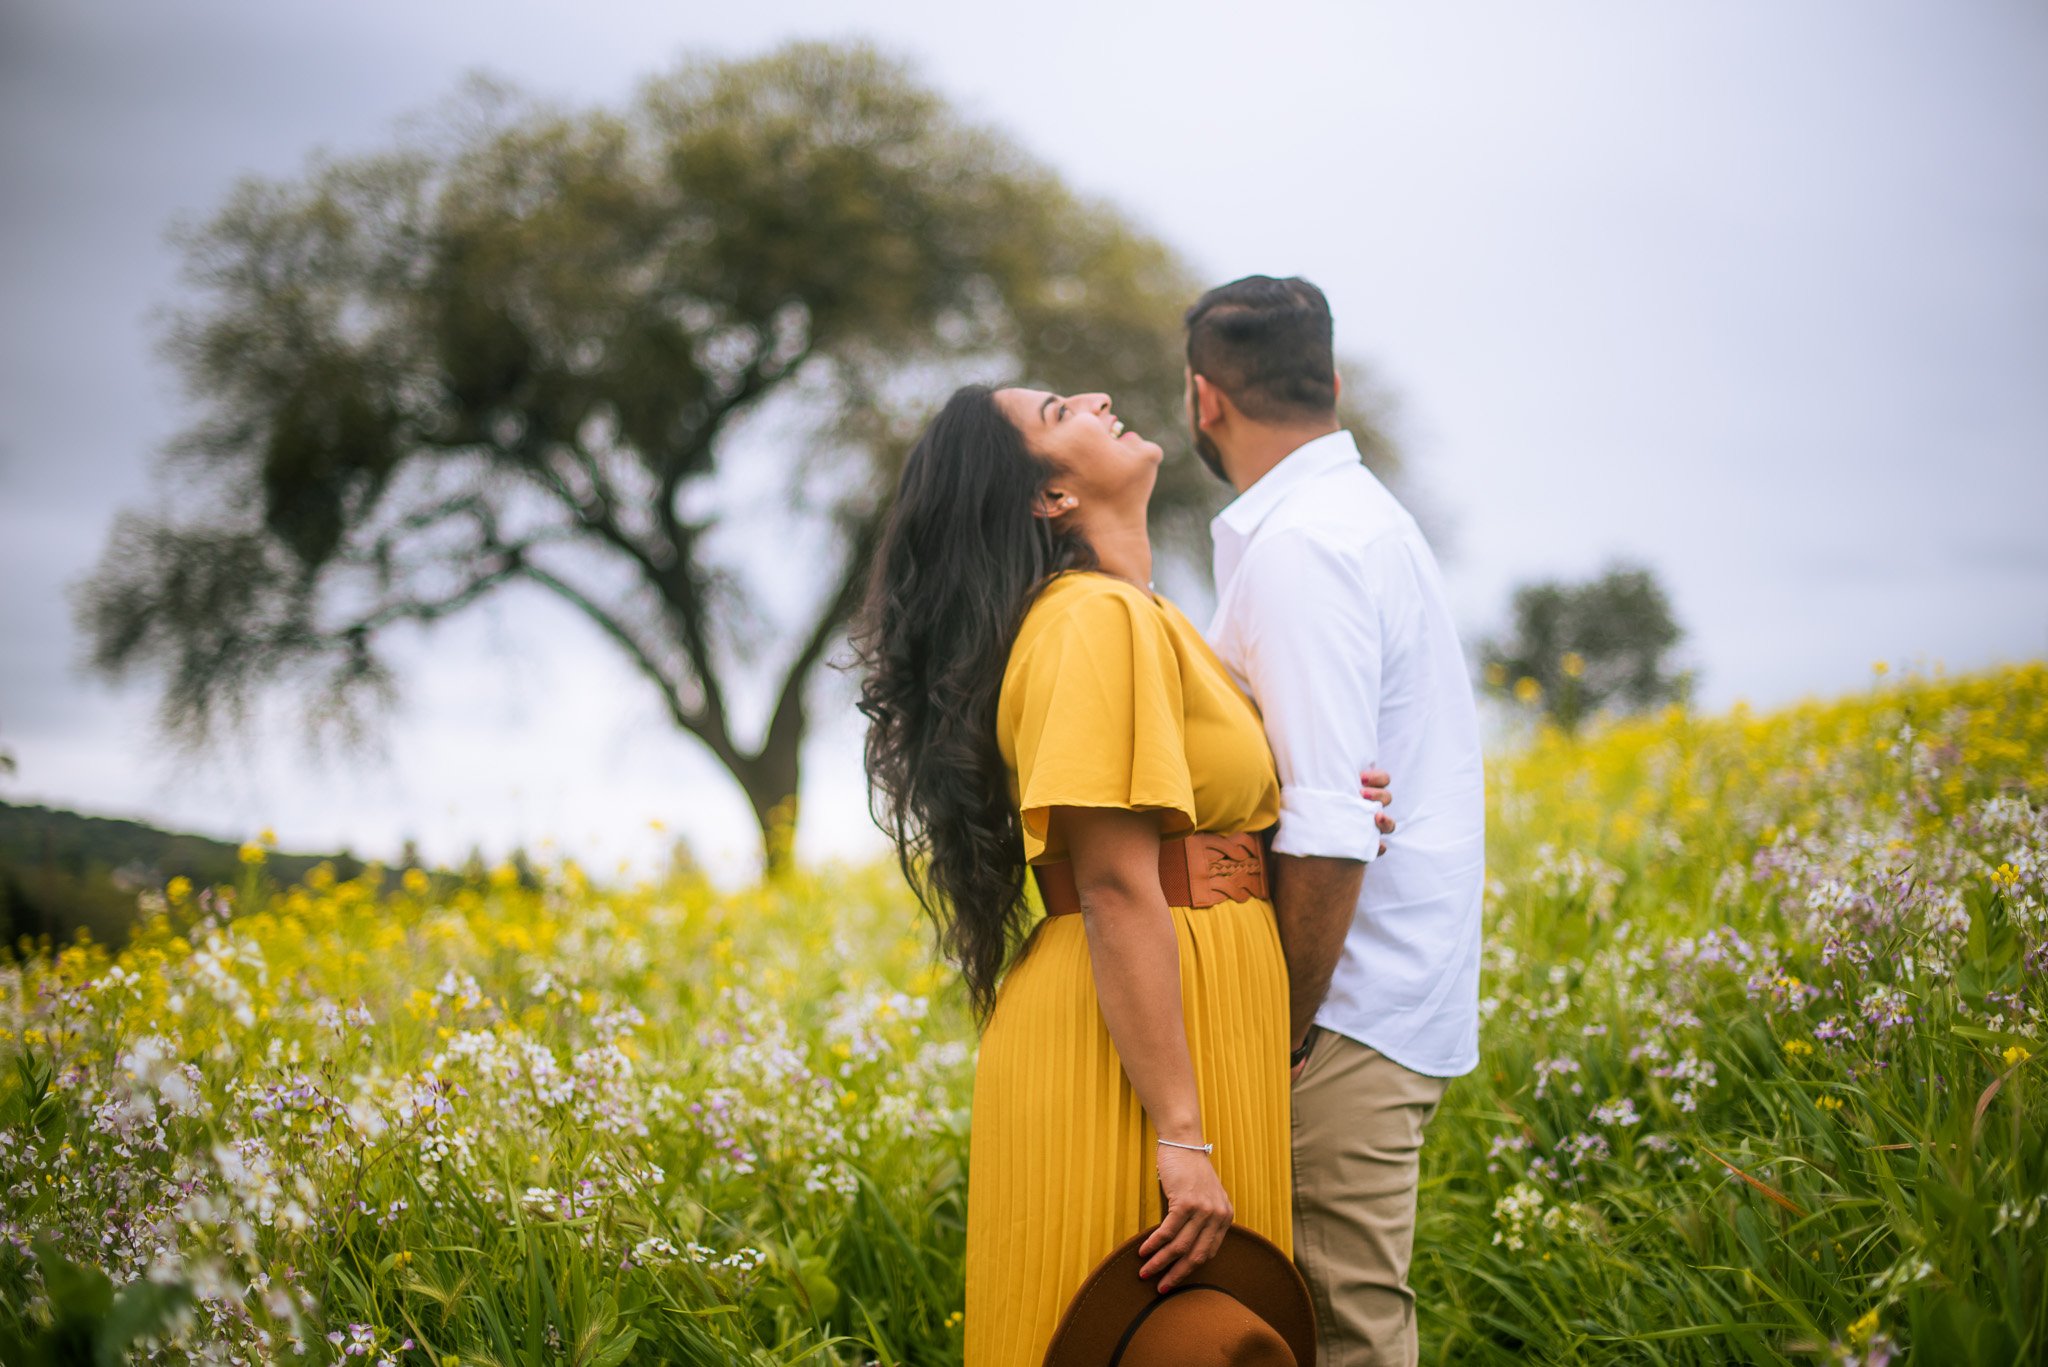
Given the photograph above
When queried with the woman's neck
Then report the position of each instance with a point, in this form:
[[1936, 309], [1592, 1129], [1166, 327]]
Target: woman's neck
[[1124, 548]]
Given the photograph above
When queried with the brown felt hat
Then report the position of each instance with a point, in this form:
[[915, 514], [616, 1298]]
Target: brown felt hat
[[1245, 1307]]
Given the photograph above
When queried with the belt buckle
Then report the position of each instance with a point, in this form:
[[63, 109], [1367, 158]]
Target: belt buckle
[[1231, 867]]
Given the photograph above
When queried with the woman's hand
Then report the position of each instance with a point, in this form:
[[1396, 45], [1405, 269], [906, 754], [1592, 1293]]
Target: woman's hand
[[1198, 1214], [1373, 787]]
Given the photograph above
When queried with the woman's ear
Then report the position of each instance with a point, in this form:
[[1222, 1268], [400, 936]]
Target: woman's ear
[[1052, 503]]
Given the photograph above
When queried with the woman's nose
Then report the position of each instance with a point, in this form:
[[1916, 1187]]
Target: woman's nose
[[1094, 403]]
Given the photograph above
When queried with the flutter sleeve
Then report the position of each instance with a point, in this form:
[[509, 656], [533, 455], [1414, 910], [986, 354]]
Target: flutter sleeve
[[1097, 715]]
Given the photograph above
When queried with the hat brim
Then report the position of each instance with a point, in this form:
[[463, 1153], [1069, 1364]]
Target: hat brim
[[1248, 1267]]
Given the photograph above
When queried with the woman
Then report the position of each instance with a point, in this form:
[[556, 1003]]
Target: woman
[[1031, 700]]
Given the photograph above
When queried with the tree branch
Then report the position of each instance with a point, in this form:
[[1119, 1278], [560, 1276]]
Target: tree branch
[[699, 722], [755, 379], [417, 610], [679, 582], [786, 724]]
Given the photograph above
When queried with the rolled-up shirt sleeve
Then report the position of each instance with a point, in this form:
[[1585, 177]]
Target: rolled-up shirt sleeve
[[1312, 652]]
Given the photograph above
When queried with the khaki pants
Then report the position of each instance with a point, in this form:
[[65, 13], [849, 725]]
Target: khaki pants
[[1358, 1122]]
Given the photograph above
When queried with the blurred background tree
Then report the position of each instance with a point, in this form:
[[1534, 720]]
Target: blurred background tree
[[1577, 649], [570, 350]]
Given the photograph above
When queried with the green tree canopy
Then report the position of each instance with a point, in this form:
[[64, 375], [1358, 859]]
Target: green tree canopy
[[542, 348], [1575, 649]]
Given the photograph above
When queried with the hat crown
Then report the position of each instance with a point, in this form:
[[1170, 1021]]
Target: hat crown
[[1247, 1307], [1202, 1326]]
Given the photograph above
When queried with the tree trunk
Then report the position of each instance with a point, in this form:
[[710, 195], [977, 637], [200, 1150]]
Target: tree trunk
[[770, 780]]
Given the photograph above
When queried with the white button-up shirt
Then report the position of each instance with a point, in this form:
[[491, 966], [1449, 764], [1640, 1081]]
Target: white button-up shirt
[[1331, 614]]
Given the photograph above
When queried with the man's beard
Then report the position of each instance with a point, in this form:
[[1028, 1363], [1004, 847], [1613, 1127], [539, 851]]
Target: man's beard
[[1211, 457]]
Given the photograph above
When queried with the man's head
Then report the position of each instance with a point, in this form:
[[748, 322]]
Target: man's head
[[1260, 362]]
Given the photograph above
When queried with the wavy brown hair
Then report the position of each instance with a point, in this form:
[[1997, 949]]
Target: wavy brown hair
[[960, 558]]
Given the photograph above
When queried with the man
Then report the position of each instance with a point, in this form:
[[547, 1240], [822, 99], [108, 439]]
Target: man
[[1331, 614]]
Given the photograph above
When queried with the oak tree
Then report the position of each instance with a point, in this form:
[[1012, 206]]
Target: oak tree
[[535, 347]]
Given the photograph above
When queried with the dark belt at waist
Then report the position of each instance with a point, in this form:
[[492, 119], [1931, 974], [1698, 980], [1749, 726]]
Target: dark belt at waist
[[1198, 869]]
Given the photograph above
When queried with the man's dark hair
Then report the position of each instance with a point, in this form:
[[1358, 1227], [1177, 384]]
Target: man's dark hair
[[1266, 343]]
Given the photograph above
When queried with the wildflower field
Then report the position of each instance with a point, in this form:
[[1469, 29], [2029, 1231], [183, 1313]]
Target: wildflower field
[[1761, 1082]]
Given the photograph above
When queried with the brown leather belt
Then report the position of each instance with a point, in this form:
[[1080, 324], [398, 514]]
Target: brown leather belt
[[1198, 869]]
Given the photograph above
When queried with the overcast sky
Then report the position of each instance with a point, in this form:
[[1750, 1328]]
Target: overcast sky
[[1754, 292]]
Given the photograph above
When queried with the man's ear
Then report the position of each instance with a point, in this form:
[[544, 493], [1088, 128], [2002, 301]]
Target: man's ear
[[1336, 386], [1209, 403]]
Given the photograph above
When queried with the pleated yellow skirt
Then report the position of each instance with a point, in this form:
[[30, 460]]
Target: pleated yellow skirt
[[1061, 1157]]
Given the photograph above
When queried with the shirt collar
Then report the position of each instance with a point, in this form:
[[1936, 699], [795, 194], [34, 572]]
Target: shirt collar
[[1232, 528]]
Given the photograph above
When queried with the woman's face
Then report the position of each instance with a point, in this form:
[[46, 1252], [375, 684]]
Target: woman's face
[[1095, 458]]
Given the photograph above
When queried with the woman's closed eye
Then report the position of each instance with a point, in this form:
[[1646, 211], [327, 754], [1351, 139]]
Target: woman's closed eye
[[1046, 414]]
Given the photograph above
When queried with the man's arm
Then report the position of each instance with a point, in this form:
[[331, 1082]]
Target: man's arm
[[1311, 660], [1313, 901]]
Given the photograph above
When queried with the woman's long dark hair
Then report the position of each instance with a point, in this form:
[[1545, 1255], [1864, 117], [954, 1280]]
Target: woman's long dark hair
[[960, 558]]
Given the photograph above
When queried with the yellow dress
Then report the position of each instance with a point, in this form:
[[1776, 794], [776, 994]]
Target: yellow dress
[[1112, 699]]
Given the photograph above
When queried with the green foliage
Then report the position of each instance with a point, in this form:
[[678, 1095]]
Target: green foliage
[[1761, 1055], [1763, 1034], [1575, 650], [737, 1135], [84, 1321], [522, 350]]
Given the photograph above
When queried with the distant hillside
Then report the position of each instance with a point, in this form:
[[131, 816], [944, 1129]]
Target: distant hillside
[[60, 871]]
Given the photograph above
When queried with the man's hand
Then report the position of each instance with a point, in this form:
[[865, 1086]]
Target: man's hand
[[1373, 786], [1294, 1075]]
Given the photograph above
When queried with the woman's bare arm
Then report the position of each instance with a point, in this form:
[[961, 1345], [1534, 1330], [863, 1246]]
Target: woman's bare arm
[[1136, 960]]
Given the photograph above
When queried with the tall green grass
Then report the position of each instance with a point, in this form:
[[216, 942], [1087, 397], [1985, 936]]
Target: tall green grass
[[1760, 1083], [1763, 1009]]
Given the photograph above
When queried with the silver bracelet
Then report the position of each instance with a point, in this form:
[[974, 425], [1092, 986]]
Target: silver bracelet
[[1196, 1148]]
